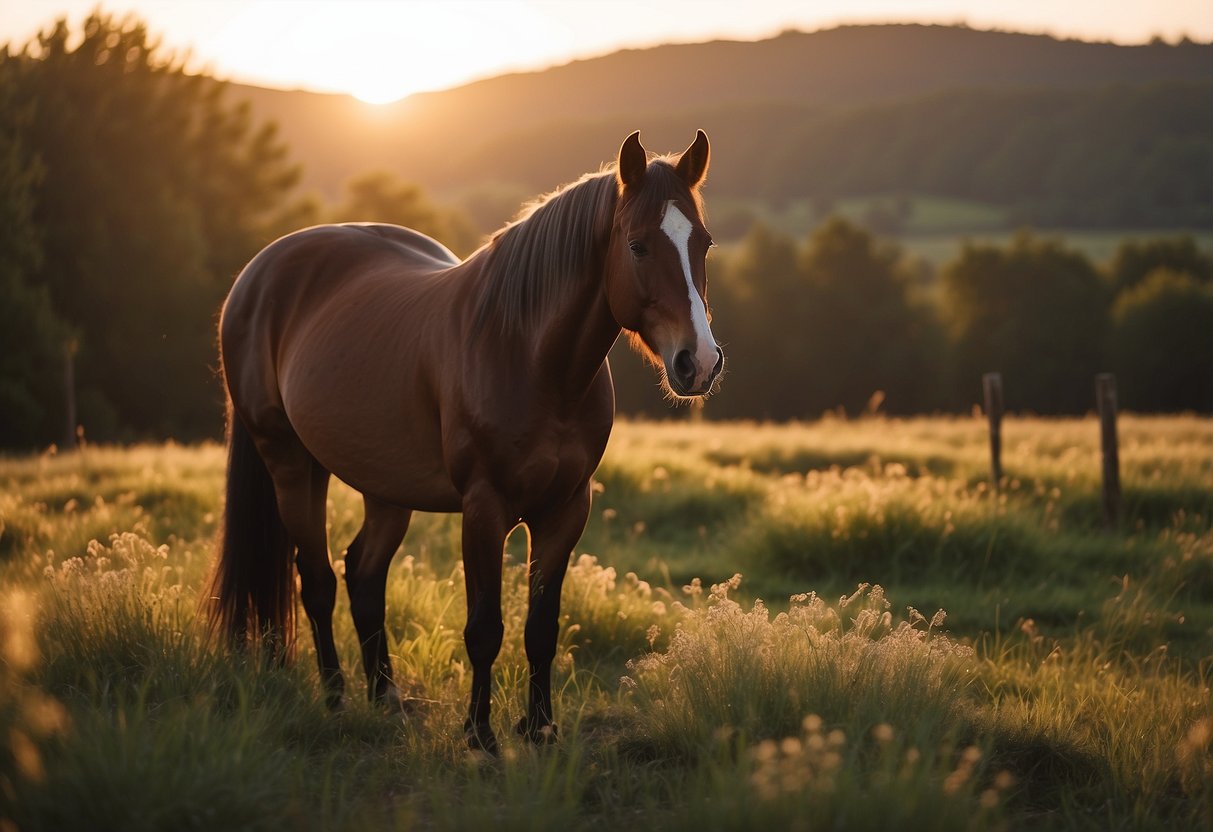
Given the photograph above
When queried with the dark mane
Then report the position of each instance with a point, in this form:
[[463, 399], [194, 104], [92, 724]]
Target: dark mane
[[556, 240], [551, 246]]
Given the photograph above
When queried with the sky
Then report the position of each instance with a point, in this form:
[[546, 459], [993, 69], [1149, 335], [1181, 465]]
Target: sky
[[382, 50]]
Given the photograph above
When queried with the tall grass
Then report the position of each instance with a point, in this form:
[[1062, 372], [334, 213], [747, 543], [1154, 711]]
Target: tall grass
[[1067, 687]]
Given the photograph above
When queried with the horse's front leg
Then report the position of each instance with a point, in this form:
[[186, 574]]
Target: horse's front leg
[[554, 533], [485, 525], [366, 566]]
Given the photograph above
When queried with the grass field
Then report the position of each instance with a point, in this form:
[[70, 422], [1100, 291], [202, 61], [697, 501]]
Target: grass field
[[1066, 687]]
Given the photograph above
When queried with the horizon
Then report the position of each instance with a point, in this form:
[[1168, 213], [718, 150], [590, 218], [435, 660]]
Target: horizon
[[383, 52]]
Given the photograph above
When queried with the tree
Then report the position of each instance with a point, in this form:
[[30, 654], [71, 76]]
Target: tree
[[756, 301], [155, 193], [1162, 343], [381, 197], [861, 331], [31, 336], [1136, 259], [809, 329], [1035, 311]]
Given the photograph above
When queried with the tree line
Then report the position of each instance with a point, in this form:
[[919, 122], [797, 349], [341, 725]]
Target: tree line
[[131, 193], [845, 321]]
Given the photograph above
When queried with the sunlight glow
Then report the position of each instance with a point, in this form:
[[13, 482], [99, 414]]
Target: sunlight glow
[[379, 51], [382, 50]]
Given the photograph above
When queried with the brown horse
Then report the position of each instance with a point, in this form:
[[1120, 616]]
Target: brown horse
[[370, 352]]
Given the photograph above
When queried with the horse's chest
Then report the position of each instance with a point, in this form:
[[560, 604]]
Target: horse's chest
[[551, 469]]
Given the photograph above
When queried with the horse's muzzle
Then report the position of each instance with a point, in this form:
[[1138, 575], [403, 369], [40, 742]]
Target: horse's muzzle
[[684, 374]]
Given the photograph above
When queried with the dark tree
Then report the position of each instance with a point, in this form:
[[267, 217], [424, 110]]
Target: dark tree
[[382, 197], [1162, 344], [32, 338], [1035, 311], [1136, 259], [862, 332], [755, 300], [155, 192]]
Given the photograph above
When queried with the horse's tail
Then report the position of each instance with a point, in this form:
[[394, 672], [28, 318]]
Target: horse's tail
[[252, 589]]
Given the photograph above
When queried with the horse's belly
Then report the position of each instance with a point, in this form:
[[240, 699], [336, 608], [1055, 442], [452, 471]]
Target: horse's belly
[[385, 452], [404, 474]]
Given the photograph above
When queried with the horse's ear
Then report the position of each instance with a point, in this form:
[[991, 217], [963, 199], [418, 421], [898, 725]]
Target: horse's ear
[[693, 164], [632, 161]]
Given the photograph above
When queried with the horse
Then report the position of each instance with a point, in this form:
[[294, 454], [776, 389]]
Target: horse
[[371, 353]]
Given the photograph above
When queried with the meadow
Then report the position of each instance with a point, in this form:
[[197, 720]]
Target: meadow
[[838, 624], [934, 229]]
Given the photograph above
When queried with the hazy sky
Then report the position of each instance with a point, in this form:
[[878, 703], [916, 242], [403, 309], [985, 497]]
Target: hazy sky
[[385, 49]]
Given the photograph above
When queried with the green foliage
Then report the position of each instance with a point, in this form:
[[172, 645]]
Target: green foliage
[[760, 293], [864, 333], [846, 321], [821, 327], [154, 193], [1037, 312], [1162, 343], [32, 337], [381, 197], [1135, 260]]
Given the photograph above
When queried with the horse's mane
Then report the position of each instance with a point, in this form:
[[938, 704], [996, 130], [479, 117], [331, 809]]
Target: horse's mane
[[554, 242], [533, 260]]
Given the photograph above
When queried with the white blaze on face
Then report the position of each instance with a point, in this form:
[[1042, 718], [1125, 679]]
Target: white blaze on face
[[678, 228]]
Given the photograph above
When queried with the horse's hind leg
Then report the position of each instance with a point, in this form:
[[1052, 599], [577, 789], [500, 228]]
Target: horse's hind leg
[[302, 488], [366, 567]]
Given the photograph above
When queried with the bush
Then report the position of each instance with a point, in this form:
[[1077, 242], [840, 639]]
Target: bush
[[1162, 344]]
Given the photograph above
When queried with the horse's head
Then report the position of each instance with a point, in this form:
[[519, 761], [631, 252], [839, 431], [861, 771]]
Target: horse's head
[[656, 275]]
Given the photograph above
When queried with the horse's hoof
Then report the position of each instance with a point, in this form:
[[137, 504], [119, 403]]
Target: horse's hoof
[[537, 733], [388, 697], [480, 738]]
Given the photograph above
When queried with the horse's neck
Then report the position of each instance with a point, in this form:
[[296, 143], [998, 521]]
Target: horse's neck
[[572, 342]]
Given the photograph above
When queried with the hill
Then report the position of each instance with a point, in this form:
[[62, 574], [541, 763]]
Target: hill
[[859, 102]]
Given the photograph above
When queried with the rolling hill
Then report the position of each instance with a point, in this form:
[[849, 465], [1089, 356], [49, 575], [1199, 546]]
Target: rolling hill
[[1056, 130]]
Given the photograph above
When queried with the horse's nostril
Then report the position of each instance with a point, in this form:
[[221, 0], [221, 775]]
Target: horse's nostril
[[684, 366], [719, 362]]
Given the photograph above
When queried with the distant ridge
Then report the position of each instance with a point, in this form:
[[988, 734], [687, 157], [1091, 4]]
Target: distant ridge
[[537, 129]]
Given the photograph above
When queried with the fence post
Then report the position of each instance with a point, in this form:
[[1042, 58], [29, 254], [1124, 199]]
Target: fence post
[[1105, 397], [991, 384], [69, 384]]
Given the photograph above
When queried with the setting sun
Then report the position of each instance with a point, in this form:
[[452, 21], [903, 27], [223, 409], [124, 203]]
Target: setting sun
[[378, 52]]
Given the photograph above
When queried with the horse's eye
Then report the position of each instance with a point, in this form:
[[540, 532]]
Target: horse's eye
[[638, 248]]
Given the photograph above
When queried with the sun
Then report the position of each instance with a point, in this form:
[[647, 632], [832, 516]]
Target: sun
[[379, 51], [378, 93]]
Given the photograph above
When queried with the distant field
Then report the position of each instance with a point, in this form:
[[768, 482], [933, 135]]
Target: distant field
[[1067, 686], [1097, 244], [934, 228]]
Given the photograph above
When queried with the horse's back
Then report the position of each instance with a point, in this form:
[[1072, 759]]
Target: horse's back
[[329, 332], [413, 244], [332, 254], [305, 270]]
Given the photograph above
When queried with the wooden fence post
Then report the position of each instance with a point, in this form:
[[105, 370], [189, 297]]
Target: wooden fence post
[[991, 384], [69, 383], [1105, 397]]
